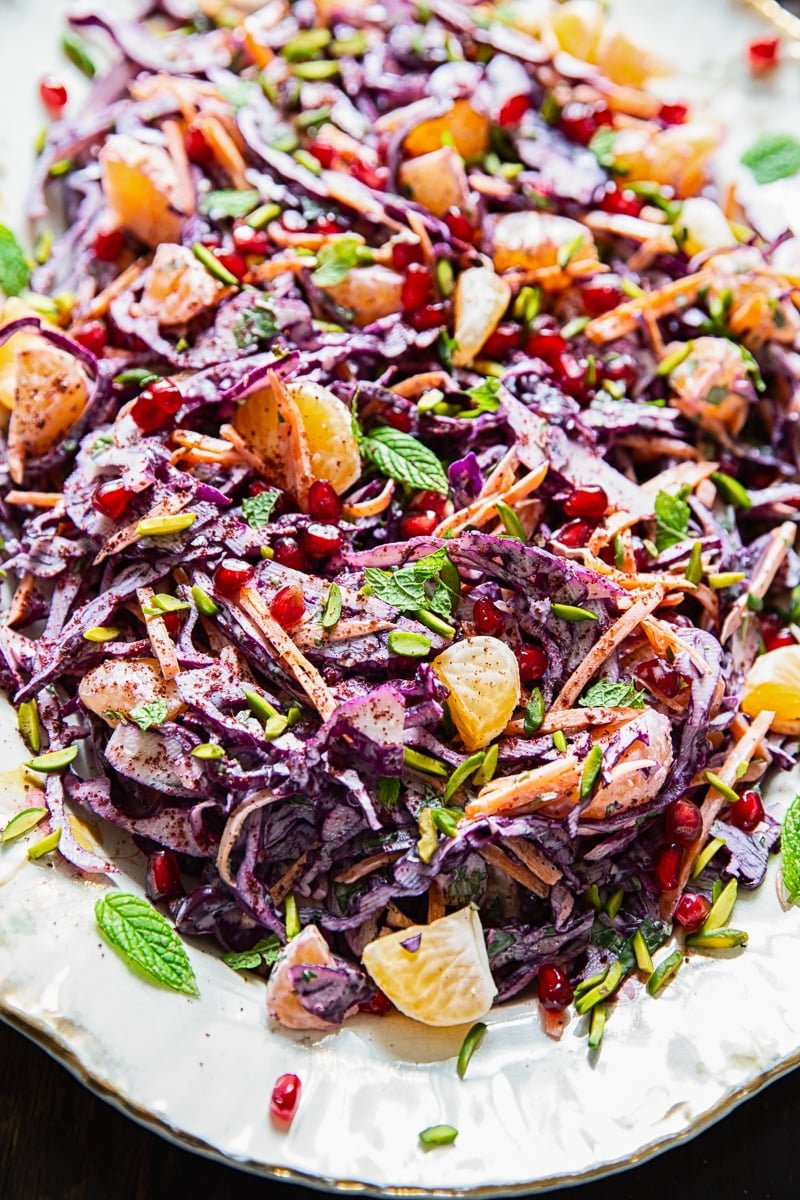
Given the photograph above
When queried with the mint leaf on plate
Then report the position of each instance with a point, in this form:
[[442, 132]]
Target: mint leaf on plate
[[790, 852], [13, 265], [264, 952], [773, 156], [405, 459], [141, 936]]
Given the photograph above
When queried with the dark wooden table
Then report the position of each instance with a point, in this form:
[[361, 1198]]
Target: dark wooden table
[[59, 1142]]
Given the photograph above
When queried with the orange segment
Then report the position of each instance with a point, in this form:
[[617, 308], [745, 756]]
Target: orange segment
[[482, 674], [773, 684]]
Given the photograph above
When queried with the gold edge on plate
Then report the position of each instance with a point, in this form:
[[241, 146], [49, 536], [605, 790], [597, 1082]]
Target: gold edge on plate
[[149, 1120]]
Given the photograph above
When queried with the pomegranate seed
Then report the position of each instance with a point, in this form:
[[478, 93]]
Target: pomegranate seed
[[323, 503], [53, 94], [321, 541], [659, 675], [430, 502], [416, 286], [419, 524], [683, 822], [691, 911], [555, 990], [673, 114], [621, 201], [323, 153], [92, 336], [487, 617], [233, 263], [764, 53], [285, 1098], [601, 295], [429, 317], [231, 575], [546, 344], [575, 534], [163, 876], [212, 240], [580, 122], [250, 241], [288, 554], [532, 663], [112, 498], [377, 1006], [108, 244], [287, 606], [774, 633], [156, 406], [459, 225], [747, 812], [404, 254], [513, 111], [621, 368], [590, 501], [372, 177], [173, 622], [198, 148], [573, 376], [397, 419], [505, 338], [668, 868]]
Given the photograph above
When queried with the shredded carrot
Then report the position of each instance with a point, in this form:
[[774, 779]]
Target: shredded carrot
[[184, 196], [765, 570], [311, 633], [417, 227], [278, 265], [395, 918], [648, 447], [122, 538], [244, 450], [281, 888], [296, 663], [226, 151], [633, 228], [367, 865], [18, 608], [160, 640], [624, 318], [98, 307], [687, 474], [35, 499], [534, 860], [370, 508], [413, 387], [482, 510], [306, 238], [569, 720], [436, 907], [518, 872], [525, 791]]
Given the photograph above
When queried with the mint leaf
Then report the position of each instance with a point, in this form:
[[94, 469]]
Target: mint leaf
[[773, 156], [149, 713], [13, 265], [257, 509], [258, 324], [228, 202], [143, 938], [264, 952], [790, 852], [387, 792], [336, 259], [605, 694], [405, 588], [485, 397], [404, 458], [672, 520], [602, 146]]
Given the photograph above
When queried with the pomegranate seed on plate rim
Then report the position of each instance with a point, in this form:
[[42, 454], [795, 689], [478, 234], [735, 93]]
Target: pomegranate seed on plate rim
[[555, 989], [53, 94], [285, 1098]]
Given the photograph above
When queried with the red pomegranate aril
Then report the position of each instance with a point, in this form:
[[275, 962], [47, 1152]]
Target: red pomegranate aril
[[108, 244], [250, 241], [555, 989], [574, 534], [764, 53], [459, 224], [487, 617], [321, 541], [231, 576], [112, 498], [233, 263], [589, 501], [620, 368], [429, 317], [285, 1098], [621, 201], [673, 114], [173, 622], [323, 503], [580, 122], [748, 811], [419, 524], [430, 502], [513, 110], [163, 876], [92, 336], [506, 337], [416, 286], [323, 153], [601, 295], [372, 177], [546, 344], [668, 868], [156, 406], [532, 663], [288, 553], [377, 1006], [287, 606], [327, 225], [398, 419], [683, 822], [404, 254], [573, 376], [198, 148], [691, 911], [53, 94], [774, 633], [659, 675]]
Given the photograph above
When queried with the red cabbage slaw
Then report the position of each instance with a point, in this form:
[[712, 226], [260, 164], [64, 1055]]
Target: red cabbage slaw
[[372, 333]]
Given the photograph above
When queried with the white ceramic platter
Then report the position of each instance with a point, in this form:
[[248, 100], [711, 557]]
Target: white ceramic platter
[[531, 1113]]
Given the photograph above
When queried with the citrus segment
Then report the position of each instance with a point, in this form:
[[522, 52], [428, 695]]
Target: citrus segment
[[773, 684], [482, 675]]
